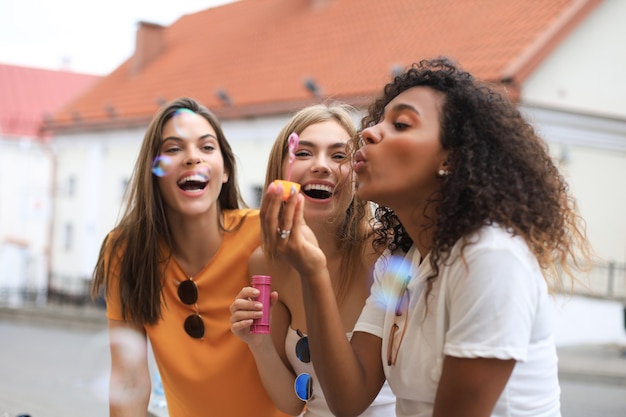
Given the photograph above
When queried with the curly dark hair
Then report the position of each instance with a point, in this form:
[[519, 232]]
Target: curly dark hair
[[501, 173]]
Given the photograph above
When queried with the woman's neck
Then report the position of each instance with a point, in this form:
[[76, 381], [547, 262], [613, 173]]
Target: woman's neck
[[420, 227], [195, 242]]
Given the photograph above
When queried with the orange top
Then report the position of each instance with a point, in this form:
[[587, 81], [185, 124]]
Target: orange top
[[216, 375]]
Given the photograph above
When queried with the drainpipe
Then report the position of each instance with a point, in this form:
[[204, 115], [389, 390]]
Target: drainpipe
[[44, 144]]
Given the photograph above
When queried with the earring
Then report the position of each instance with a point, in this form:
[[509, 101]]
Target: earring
[[443, 172]]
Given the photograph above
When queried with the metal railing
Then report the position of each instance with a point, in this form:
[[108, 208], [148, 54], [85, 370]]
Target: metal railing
[[605, 281]]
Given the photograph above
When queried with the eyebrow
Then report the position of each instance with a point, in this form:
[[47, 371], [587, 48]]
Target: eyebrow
[[402, 106], [335, 145], [176, 138]]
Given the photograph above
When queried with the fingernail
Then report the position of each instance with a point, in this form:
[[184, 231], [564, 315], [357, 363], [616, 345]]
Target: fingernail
[[258, 305], [293, 190]]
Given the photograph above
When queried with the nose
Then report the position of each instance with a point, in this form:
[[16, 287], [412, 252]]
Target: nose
[[193, 158], [320, 166], [370, 135]]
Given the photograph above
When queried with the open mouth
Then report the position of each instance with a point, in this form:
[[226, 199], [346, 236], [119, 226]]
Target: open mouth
[[318, 191], [196, 182]]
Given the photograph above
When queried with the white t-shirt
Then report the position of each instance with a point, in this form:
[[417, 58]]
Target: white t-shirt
[[491, 303]]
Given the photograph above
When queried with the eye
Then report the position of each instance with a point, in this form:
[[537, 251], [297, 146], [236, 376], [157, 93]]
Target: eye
[[302, 153], [400, 125], [209, 147], [171, 149], [340, 156]]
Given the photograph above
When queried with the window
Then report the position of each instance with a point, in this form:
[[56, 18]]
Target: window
[[68, 237], [257, 195], [71, 186]]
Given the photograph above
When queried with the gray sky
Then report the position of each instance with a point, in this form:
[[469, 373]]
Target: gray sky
[[82, 36]]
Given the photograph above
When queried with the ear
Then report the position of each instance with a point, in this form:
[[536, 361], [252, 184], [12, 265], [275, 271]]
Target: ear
[[444, 168], [225, 177], [445, 163]]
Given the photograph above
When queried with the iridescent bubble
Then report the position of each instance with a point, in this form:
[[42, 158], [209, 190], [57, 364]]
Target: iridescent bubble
[[397, 270], [205, 169], [179, 117], [161, 165], [95, 367], [95, 363], [133, 348]]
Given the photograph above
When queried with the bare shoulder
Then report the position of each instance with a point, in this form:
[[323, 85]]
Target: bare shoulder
[[260, 264]]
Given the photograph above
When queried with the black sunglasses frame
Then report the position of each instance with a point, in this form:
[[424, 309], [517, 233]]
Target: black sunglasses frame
[[188, 295]]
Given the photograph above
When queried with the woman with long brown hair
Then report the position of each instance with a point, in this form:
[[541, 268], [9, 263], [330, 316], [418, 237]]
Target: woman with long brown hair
[[171, 268]]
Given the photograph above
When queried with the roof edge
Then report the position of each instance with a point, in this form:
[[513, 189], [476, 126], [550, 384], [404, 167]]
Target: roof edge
[[56, 128], [222, 113], [520, 68]]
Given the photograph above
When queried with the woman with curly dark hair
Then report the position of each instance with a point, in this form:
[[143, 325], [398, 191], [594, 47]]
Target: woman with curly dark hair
[[478, 225]]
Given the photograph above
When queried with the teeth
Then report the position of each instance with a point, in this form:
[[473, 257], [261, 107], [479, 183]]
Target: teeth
[[195, 177], [320, 187]]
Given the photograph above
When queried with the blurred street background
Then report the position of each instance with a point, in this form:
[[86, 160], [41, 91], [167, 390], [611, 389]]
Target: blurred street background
[[54, 362]]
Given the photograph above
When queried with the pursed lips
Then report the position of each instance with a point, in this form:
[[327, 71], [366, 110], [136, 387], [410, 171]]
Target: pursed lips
[[359, 161]]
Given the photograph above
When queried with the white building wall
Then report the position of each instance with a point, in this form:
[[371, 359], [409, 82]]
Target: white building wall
[[99, 166], [585, 73], [252, 140], [25, 215], [577, 100], [592, 155]]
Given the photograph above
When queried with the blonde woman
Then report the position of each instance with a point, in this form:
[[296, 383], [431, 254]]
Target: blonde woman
[[341, 224]]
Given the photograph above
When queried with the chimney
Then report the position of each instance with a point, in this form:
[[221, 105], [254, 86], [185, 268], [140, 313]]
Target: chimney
[[149, 43]]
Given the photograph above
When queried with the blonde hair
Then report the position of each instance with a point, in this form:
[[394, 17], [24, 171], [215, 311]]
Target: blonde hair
[[355, 231]]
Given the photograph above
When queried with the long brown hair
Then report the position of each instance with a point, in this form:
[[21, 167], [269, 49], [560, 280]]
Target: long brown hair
[[133, 246]]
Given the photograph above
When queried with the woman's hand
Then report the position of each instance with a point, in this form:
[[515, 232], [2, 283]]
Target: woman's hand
[[286, 234], [244, 310]]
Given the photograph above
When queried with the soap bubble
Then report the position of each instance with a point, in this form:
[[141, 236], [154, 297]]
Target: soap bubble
[[179, 117], [95, 363], [397, 272], [161, 165]]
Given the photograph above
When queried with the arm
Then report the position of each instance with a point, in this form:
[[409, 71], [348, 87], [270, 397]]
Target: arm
[[130, 385], [268, 350], [276, 375], [350, 373], [470, 387]]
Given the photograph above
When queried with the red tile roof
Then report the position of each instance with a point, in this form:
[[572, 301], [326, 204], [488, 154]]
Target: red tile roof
[[27, 95], [261, 52]]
